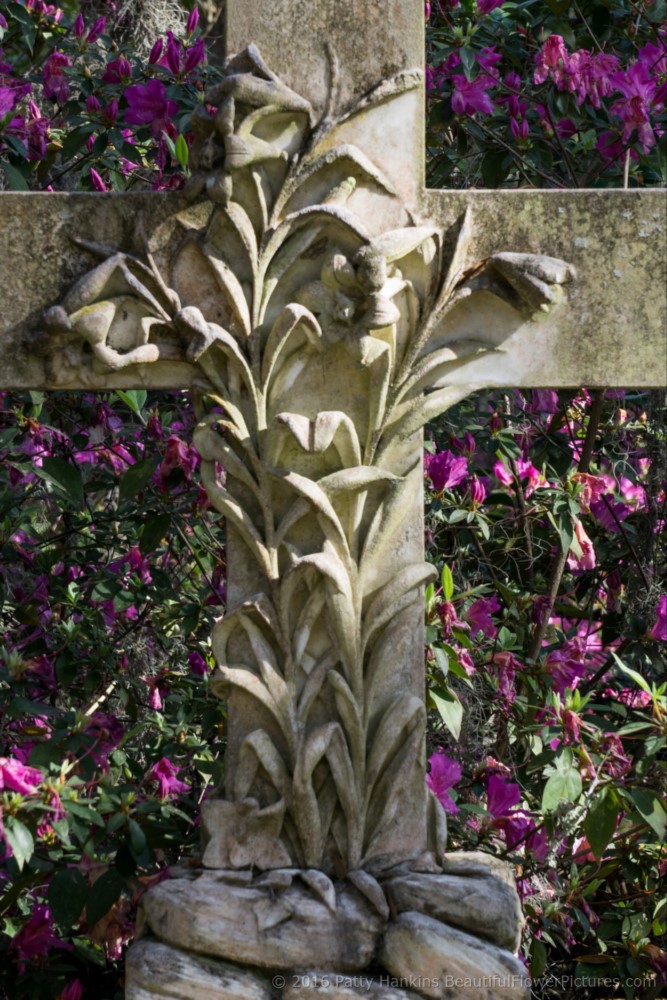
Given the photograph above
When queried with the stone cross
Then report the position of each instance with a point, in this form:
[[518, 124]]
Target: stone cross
[[323, 306]]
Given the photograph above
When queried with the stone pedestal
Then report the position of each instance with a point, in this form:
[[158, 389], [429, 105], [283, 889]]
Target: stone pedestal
[[292, 934]]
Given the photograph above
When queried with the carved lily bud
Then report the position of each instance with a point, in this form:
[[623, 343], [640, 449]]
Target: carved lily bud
[[371, 269], [536, 279], [56, 320], [338, 273], [258, 93], [219, 188], [381, 312]]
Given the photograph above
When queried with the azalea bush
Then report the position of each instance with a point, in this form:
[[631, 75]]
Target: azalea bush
[[80, 108], [548, 94], [545, 637], [111, 577], [546, 663]]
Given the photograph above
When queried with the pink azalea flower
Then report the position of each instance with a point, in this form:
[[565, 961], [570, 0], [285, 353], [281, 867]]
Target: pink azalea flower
[[164, 772], [54, 81], [567, 665], [504, 665], [443, 775], [501, 795], [502, 473], [36, 938], [476, 489], [470, 96], [486, 6], [585, 559], [16, 777], [198, 664], [659, 627], [448, 616], [117, 71], [479, 616], [96, 180], [73, 991], [156, 52], [445, 470], [148, 105], [592, 488], [543, 401], [552, 60]]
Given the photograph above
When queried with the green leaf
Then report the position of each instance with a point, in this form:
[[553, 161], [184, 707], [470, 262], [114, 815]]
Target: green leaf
[[637, 678], [447, 581], [59, 473], [20, 840], [136, 478], [67, 895], [450, 709], [600, 822], [182, 151], [134, 398], [153, 532], [496, 166], [103, 894], [138, 843], [563, 786], [468, 61], [15, 179], [74, 141], [651, 809]]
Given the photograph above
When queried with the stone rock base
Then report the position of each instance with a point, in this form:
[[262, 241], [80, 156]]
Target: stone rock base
[[291, 935]]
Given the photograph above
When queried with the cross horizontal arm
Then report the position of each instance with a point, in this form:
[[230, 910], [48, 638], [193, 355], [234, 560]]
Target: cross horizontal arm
[[611, 331], [612, 328]]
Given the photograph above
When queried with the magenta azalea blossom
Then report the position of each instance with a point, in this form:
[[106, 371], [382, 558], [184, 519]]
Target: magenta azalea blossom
[[16, 777], [36, 938], [445, 469], [443, 775], [486, 6], [479, 616], [471, 96], [501, 796], [164, 772], [147, 104], [659, 629], [54, 81]]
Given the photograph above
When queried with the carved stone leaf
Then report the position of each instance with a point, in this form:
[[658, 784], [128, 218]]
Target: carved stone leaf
[[369, 887], [403, 712], [321, 885], [259, 750], [428, 373], [316, 496], [350, 160], [329, 427], [213, 448], [353, 480], [233, 290], [293, 319], [326, 741], [224, 502], [240, 677], [423, 409], [390, 599]]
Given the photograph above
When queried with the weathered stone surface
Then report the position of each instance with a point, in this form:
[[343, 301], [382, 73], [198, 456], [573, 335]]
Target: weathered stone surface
[[266, 927], [478, 863], [448, 963], [340, 987], [482, 905], [154, 969]]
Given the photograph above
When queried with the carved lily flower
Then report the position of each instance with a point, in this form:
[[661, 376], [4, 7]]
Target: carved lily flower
[[353, 296]]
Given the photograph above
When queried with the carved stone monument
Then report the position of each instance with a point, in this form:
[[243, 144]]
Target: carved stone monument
[[323, 308]]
